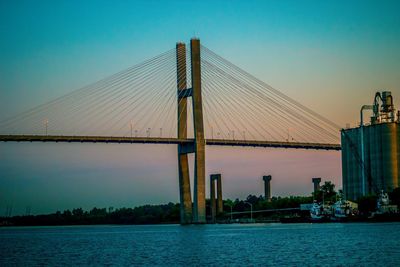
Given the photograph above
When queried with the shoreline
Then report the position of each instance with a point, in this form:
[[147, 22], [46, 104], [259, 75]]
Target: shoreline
[[281, 221]]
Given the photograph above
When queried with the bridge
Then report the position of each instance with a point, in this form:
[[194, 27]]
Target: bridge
[[159, 140], [148, 103]]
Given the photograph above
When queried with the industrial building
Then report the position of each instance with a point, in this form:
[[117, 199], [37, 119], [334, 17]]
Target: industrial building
[[370, 152]]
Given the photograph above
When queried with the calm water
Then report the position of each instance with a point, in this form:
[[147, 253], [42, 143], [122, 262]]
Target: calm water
[[260, 244]]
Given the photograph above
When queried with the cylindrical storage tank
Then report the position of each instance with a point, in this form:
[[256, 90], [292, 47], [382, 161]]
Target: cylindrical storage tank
[[351, 168], [345, 160], [356, 158], [388, 132], [398, 153], [367, 162], [375, 159]]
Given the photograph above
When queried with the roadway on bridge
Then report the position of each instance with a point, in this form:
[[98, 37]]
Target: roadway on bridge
[[159, 140]]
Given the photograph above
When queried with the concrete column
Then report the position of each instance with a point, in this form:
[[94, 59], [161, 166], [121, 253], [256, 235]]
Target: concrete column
[[199, 205], [213, 204], [184, 179], [216, 206], [220, 205], [267, 187], [316, 182]]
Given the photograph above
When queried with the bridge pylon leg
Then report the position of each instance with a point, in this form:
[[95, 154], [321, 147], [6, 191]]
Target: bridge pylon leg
[[199, 205], [216, 206], [220, 204], [213, 204], [184, 179]]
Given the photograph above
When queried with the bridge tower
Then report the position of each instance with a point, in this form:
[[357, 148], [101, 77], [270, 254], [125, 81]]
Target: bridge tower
[[198, 214]]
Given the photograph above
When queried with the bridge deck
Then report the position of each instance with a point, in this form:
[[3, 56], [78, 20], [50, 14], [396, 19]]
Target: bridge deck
[[158, 140]]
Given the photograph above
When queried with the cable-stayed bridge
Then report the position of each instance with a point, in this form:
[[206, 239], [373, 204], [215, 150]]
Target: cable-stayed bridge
[[148, 103]]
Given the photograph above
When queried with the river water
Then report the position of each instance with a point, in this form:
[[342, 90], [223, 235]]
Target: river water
[[331, 244]]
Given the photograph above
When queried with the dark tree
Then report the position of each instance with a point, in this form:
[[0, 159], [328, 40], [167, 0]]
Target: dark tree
[[394, 196], [367, 204]]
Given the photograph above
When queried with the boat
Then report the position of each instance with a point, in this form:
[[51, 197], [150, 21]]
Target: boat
[[317, 213], [383, 205], [341, 210]]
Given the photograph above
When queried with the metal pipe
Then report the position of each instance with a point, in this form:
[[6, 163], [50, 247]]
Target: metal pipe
[[371, 107]]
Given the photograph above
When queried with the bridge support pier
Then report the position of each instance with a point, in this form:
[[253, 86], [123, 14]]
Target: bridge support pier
[[220, 205], [316, 182], [267, 187], [216, 206], [213, 204]]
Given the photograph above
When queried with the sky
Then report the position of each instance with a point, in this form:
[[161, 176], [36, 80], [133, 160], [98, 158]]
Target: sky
[[331, 56]]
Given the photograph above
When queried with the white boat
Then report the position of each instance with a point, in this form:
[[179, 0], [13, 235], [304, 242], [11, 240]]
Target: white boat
[[341, 210], [316, 212], [383, 205]]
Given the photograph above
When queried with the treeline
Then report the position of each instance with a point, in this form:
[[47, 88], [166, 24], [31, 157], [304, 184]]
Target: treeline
[[170, 213], [260, 203], [147, 214], [158, 214], [327, 193], [267, 206]]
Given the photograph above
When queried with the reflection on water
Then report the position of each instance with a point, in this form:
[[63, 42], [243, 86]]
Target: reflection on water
[[259, 244]]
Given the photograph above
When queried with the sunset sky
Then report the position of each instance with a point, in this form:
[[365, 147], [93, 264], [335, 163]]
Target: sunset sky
[[331, 56]]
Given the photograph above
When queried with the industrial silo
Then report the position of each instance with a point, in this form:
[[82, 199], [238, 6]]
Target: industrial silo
[[370, 152], [351, 167], [398, 149]]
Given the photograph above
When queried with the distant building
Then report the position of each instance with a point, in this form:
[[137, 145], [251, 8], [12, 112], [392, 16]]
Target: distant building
[[371, 152]]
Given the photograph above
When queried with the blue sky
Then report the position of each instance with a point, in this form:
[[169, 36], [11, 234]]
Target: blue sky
[[52, 47], [330, 55]]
